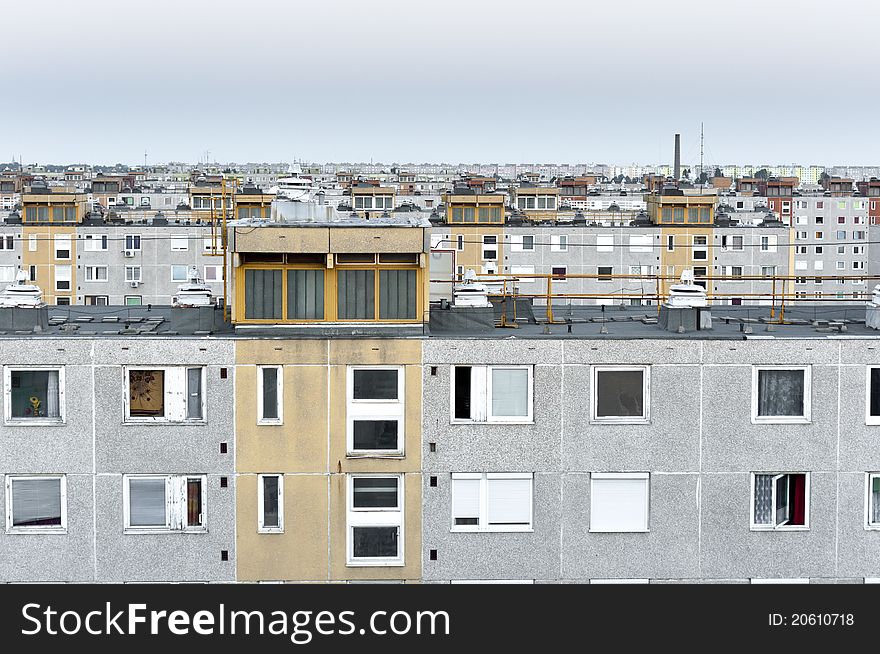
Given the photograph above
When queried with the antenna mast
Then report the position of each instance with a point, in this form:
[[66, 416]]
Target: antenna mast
[[701, 150]]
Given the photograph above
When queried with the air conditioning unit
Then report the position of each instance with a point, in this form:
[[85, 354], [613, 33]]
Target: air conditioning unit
[[129, 253], [134, 283]]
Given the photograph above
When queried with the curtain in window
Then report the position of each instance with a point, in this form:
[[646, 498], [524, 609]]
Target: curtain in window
[[510, 392], [262, 294], [798, 490], [305, 294], [397, 294], [194, 393], [36, 502], [146, 500], [193, 502], [780, 392], [875, 500], [146, 391], [52, 395], [763, 499], [375, 492], [356, 295]]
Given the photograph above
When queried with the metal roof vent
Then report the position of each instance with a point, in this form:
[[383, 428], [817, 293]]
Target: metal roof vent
[[687, 293], [20, 294], [471, 293]]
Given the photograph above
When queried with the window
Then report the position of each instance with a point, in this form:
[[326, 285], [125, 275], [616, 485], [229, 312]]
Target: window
[[62, 246], [621, 394], [527, 271], [270, 396], [605, 243], [521, 243], [840, 265], [820, 220], [7, 273], [640, 243], [670, 243], [559, 243], [179, 273], [859, 235], [820, 204], [872, 506], [768, 243], [132, 300], [375, 520], [490, 248], [819, 249], [492, 394], [700, 250], [768, 271], [97, 300], [132, 242], [375, 411], [678, 214], [34, 395], [174, 394], [459, 242], [800, 249], [63, 277], [735, 273], [819, 236], [841, 235], [165, 502], [492, 501], [179, 242], [215, 274], [270, 504], [801, 236], [732, 242], [780, 500], [858, 265], [818, 265], [841, 220], [781, 394], [36, 504], [857, 249], [872, 410], [6, 241], [96, 273], [32, 242], [559, 273], [604, 273], [132, 273], [619, 501]]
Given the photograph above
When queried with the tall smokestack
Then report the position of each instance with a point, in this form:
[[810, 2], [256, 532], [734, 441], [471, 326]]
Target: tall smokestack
[[677, 164]]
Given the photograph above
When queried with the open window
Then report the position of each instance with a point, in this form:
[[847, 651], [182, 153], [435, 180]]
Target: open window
[[375, 410], [375, 520], [173, 394], [165, 503], [872, 505], [492, 394], [270, 504], [36, 504], [34, 395], [780, 500], [621, 394], [781, 394], [494, 501]]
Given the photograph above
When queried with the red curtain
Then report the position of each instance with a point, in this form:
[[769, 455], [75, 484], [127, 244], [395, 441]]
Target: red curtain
[[799, 499]]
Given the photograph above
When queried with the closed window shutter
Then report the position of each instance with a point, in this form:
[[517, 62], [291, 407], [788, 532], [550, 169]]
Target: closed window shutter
[[618, 504], [36, 502], [466, 499], [509, 501], [147, 503]]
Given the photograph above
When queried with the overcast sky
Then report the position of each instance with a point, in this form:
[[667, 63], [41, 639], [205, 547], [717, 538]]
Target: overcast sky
[[774, 81]]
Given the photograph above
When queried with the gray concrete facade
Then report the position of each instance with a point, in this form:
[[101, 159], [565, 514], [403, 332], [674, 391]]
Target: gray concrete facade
[[700, 447]]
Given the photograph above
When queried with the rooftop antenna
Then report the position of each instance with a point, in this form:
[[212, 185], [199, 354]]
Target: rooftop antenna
[[701, 150]]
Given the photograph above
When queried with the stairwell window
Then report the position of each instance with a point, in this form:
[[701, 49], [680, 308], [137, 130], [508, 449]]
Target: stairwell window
[[270, 504], [781, 395], [174, 394], [492, 394], [375, 520], [34, 396], [494, 501], [872, 408], [375, 410], [700, 250], [132, 242], [270, 394], [621, 394], [780, 501], [36, 504], [165, 503], [872, 504]]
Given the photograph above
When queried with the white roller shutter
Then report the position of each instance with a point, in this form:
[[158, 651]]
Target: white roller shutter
[[510, 501], [619, 502]]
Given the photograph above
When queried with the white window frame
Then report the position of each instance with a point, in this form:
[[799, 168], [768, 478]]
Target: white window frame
[[459, 242], [177, 241], [779, 580], [175, 505], [869, 419], [494, 245], [261, 527], [704, 248], [63, 277], [869, 478], [641, 243], [559, 242], [602, 243], [135, 240], [483, 395], [804, 419], [622, 475], [185, 272], [618, 581], [130, 275], [775, 527], [58, 243], [374, 517], [375, 410], [174, 399], [32, 242], [219, 274], [621, 420], [94, 270], [279, 386], [7, 397], [48, 529], [483, 519]]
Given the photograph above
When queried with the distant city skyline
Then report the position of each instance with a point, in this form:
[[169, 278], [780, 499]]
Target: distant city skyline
[[469, 81]]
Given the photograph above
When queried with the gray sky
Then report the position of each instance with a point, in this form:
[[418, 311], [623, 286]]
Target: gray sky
[[458, 80]]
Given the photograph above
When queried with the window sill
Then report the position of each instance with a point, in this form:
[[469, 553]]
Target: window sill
[[620, 421], [270, 531], [781, 420], [619, 531], [36, 531], [375, 564], [136, 531], [34, 422], [773, 529], [491, 422], [270, 423], [375, 454], [872, 527], [163, 422], [494, 530]]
